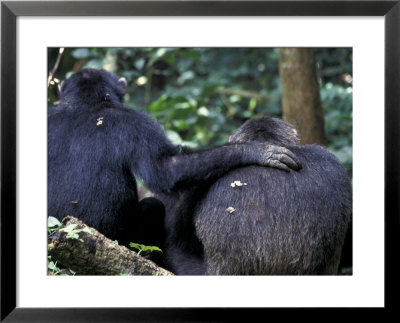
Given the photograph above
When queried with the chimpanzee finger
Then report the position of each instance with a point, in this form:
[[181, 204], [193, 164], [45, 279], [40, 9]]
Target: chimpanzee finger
[[287, 157], [275, 163], [288, 160]]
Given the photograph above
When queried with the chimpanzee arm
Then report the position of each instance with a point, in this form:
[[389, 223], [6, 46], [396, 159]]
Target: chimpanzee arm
[[165, 167], [182, 170]]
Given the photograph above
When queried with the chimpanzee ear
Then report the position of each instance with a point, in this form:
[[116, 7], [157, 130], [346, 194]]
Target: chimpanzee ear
[[122, 81]]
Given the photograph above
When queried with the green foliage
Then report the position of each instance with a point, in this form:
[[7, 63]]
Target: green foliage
[[143, 248], [53, 222], [53, 266], [337, 105], [54, 270], [53, 225]]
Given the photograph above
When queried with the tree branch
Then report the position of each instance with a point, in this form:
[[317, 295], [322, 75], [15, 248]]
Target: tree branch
[[94, 254], [55, 67]]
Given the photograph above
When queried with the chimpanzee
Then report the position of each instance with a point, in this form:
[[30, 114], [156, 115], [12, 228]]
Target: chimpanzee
[[97, 148], [262, 221]]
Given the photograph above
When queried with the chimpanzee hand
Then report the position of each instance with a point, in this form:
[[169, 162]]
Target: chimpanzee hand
[[275, 156], [281, 157]]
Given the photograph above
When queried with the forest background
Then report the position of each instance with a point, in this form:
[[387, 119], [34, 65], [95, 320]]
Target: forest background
[[202, 95]]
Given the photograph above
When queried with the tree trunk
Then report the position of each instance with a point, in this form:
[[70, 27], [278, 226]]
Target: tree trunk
[[94, 254], [301, 104]]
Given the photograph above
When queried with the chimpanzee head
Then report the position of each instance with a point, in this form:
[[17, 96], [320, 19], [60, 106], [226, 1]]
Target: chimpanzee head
[[93, 86], [266, 129]]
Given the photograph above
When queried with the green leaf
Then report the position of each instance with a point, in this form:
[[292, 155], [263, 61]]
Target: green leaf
[[136, 245], [51, 265], [53, 222], [203, 111], [156, 56], [180, 125], [151, 248], [174, 137], [252, 104], [142, 247], [159, 104], [185, 76]]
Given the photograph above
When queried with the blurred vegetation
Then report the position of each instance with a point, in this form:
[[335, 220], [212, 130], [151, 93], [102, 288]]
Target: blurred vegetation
[[201, 95]]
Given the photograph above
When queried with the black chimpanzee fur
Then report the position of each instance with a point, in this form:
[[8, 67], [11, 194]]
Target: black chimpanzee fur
[[267, 223], [97, 148]]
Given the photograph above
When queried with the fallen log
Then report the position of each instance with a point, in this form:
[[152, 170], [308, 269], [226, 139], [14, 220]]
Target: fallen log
[[87, 252]]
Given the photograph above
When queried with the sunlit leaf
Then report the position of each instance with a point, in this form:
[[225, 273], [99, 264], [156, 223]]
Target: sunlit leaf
[[174, 137], [53, 222]]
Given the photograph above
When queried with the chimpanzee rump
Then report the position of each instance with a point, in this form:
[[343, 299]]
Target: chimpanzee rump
[[262, 221], [97, 148]]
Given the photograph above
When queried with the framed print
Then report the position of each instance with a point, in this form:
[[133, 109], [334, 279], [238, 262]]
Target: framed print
[[29, 29]]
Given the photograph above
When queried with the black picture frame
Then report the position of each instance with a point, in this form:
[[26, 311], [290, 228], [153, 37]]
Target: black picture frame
[[10, 10]]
